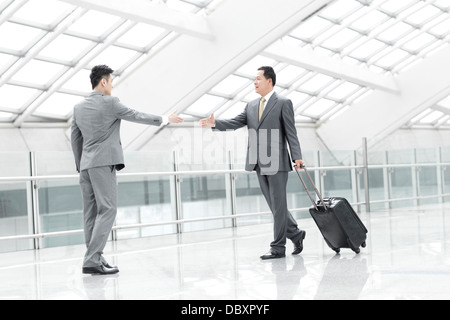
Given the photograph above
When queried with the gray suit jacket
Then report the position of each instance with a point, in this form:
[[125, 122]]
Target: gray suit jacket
[[96, 131], [268, 138]]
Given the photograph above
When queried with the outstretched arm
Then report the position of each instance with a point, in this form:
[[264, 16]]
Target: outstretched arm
[[222, 125], [125, 113]]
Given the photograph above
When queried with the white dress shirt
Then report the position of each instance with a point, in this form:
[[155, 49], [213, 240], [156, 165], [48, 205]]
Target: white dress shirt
[[267, 97]]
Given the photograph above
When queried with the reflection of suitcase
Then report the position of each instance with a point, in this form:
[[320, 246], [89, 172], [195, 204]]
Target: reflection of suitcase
[[336, 219]]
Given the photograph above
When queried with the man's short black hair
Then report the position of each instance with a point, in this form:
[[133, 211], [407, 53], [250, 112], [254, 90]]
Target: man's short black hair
[[269, 73], [98, 73]]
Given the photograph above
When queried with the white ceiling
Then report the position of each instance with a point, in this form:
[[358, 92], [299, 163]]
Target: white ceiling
[[325, 64]]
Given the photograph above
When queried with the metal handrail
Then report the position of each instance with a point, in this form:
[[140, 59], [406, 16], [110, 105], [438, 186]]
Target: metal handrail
[[203, 173], [212, 172], [156, 174]]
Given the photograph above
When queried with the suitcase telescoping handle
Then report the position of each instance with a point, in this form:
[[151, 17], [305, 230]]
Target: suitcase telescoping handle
[[314, 186]]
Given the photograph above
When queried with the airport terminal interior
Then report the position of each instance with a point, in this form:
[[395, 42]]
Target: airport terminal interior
[[369, 84]]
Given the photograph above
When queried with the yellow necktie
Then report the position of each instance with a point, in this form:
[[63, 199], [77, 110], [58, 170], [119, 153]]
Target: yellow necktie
[[261, 108]]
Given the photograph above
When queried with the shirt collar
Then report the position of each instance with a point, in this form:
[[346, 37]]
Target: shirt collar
[[269, 95], [96, 93]]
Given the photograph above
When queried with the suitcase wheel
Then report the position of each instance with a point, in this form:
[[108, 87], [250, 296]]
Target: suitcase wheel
[[350, 245], [337, 251], [363, 244]]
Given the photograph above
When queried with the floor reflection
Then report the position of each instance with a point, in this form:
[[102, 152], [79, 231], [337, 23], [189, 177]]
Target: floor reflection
[[287, 278], [101, 287], [343, 278], [407, 257]]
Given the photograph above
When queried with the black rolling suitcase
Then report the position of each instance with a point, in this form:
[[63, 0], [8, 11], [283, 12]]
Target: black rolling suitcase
[[337, 221]]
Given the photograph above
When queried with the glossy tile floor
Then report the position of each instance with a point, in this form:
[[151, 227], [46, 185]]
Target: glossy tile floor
[[407, 257]]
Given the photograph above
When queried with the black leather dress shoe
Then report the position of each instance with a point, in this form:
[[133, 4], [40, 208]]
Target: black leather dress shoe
[[106, 264], [102, 270], [299, 244], [272, 255]]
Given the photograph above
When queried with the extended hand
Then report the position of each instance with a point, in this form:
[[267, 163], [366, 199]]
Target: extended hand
[[173, 118], [208, 122]]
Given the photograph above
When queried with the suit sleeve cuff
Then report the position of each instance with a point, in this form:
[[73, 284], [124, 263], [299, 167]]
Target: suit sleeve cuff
[[165, 120]]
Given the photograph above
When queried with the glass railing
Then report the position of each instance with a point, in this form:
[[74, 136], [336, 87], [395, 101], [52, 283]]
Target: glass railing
[[41, 205]]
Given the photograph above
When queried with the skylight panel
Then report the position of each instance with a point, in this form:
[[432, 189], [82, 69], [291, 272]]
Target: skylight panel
[[432, 117], [396, 32], [419, 42], [301, 118], [293, 41], [317, 83], [368, 49], [343, 91], [205, 104], [4, 4], [413, 10], [58, 105], [327, 34], [9, 38], [340, 9], [182, 6], [231, 85], [251, 67], [62, 48], [421, 16], [320, 107], [114, 57], [15, 97], [298, 97], [390, 60], [38, 72], [420, 116], [79, 82], [341, 39], [135, 37], [442, 121], [94, 23], [46, 12], [233, 111], [6, 117], [395, 6], [445, 103], [311, 28], [289, 74], [5, 61], [442, 29], [369, 21], [443, 4]]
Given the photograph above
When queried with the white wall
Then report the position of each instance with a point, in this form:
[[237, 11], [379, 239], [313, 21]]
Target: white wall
[[414, 138]]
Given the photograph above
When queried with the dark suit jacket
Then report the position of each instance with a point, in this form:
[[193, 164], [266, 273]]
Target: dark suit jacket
[[268, 138]]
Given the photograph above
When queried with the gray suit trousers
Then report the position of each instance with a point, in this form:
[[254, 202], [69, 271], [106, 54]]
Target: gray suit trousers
[[99, 192], [274, 189]]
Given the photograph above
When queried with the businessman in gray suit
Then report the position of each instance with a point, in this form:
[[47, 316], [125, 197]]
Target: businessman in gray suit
[[98, 155], [271, 125]]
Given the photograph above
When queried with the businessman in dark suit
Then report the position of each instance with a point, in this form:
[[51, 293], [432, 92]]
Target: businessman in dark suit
[[271, 125]]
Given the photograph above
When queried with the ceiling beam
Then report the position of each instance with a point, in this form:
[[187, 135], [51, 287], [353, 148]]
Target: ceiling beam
[[382, 113], [146, 12], [308, 59], [188, 67]]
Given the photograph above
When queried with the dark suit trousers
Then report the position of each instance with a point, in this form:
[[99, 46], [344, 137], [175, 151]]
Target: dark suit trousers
[[274, 190]]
